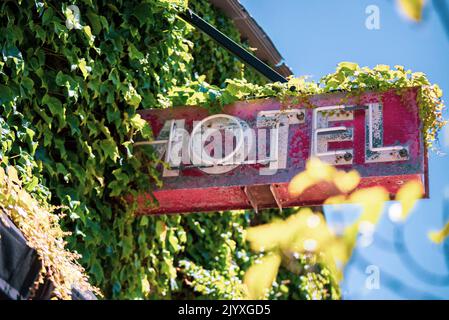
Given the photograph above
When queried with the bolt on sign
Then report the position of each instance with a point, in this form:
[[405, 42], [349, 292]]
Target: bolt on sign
[[246, 156]]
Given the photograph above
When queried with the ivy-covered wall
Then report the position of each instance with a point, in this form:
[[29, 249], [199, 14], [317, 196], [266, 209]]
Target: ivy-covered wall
[[69, 93]]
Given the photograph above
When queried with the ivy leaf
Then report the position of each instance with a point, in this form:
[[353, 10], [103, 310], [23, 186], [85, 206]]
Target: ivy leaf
[[407, 195], [47, 16], [95, 22], [161, 230], [110, 149], [84, 68], [53, 104], [132, 97], [137, 122], [134, 53], [6, 94], [173, 241], [27, 84], [90, 36], [127, 246], [97, 271], [349, 65], [439, 236], [56, 108]]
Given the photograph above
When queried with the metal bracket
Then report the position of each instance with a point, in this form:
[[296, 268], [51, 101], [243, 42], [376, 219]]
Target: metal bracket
[[251, 198], [276, 196]]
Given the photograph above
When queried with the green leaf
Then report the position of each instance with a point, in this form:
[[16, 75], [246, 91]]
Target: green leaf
[[27, 83], [161, 230], [95, 22], [53, 104], [6, 94], [47, 16], [110, 149], [56, 108], [137, 122], [134, 53], [132, 97], [348, 65]]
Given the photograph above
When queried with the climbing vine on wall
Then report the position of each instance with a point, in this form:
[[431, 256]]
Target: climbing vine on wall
[[69, 95], [348, 77], [70, 86]]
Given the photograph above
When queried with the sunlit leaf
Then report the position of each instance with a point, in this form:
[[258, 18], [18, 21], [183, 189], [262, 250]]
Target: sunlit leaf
[[268, 236], [311, 233], [300, 183], [316, 171], [260, 276], [346, 181], [349, 65], [407, 195], [372, 201], [2, 175], [412, 8], [439, 236], [336, 200], [320, 170], [12, 174]]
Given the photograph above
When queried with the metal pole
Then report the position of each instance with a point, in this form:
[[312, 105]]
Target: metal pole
[[232, 46]]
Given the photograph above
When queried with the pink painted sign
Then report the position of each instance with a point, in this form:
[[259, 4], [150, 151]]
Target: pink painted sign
[[245, 157]]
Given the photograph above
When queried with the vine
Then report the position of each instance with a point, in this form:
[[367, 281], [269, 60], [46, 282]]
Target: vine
[[68, 115], [348, 77], [42, 231], [69, 99]]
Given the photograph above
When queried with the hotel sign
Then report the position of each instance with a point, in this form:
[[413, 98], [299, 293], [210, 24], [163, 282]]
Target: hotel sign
[[245, 157]]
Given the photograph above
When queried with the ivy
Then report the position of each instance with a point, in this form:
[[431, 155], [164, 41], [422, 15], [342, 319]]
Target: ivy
[[40, 226], [69, 100], [348, 77]]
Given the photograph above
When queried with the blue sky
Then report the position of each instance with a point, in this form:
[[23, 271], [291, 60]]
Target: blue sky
[[313, 37]]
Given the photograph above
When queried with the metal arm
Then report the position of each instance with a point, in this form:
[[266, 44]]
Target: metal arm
[[232, 46]]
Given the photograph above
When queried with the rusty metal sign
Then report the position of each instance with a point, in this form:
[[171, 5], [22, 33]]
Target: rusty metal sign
[[245, 157]]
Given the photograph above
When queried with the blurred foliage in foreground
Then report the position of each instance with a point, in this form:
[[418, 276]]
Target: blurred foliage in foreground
[[68, 119], [307, 234], [412, 9], [68, 122]]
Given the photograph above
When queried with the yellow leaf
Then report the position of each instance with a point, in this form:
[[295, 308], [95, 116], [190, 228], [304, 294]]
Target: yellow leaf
[[350, 236], [145, 285], [316, 171], [346, 181], [88, 33], [12, 174], [83, 67], [268, 236], [300, 183], [310, 231], [408, 195], [372, 200], [382, 67], [335, 200], [335, 257], [320, 170], [439, 236], [2, 175], [260, 276], [411, 8]]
